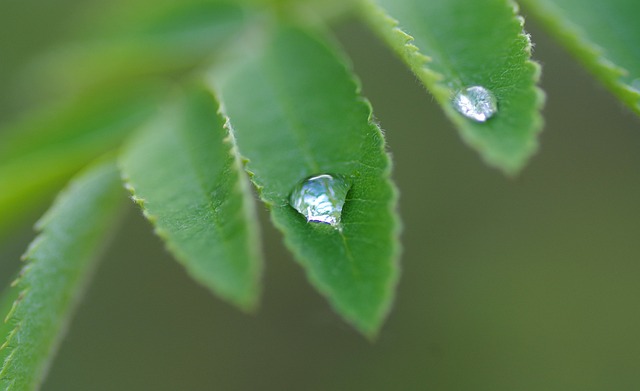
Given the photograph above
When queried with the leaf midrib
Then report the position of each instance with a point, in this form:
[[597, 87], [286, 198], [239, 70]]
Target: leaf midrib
[[296, 125], [203, 193]]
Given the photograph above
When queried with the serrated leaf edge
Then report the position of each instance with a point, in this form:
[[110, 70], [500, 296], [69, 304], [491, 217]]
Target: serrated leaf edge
[[592, 55], [27, 257], [250, 304], [370, 332], [402, 43], [10, 317]]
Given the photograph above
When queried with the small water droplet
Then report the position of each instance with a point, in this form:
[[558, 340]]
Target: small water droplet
[[320, 198], [476, 103]]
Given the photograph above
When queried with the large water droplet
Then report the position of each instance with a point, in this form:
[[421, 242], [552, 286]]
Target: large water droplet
[[476, 103], [320, 198]]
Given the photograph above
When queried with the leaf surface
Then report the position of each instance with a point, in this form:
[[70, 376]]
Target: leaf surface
[[59, 263], [296, 112], [39, 154], [603, 35], [455, 44], [182, 169]]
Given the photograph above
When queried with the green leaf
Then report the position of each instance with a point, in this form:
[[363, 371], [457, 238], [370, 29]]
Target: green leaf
[[296, 112], [603, 35], [183, 170], [59, 263], [154, 43], [456, 44], [39, 154], [6, 303]]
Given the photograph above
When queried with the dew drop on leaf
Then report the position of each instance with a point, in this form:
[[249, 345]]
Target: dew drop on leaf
[[320, 198], [476, 103]]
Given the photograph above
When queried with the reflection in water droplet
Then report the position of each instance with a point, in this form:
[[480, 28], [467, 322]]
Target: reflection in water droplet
[[320, 198], [476, 103], [636, 84]]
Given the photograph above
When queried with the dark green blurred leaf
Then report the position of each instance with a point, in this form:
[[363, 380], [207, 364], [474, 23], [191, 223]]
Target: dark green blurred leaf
[[454, 44], [39, 154], [296, 112], [182, 169], [59, 262], [154, 43], [603, 35]]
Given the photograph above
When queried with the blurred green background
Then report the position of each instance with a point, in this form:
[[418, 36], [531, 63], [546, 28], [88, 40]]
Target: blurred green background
[[508, 284]]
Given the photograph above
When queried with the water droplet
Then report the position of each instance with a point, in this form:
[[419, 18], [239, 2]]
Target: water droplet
[[635, 84], [320, 198], [476, 103]]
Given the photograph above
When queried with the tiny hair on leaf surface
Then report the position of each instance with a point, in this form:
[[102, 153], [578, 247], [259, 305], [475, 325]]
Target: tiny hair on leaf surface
[[58, 264], [296, 112], [183, 170], [453, 45], [603, 35]]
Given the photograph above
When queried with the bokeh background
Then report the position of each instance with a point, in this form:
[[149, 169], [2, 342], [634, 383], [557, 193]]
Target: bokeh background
[[529, 283]]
